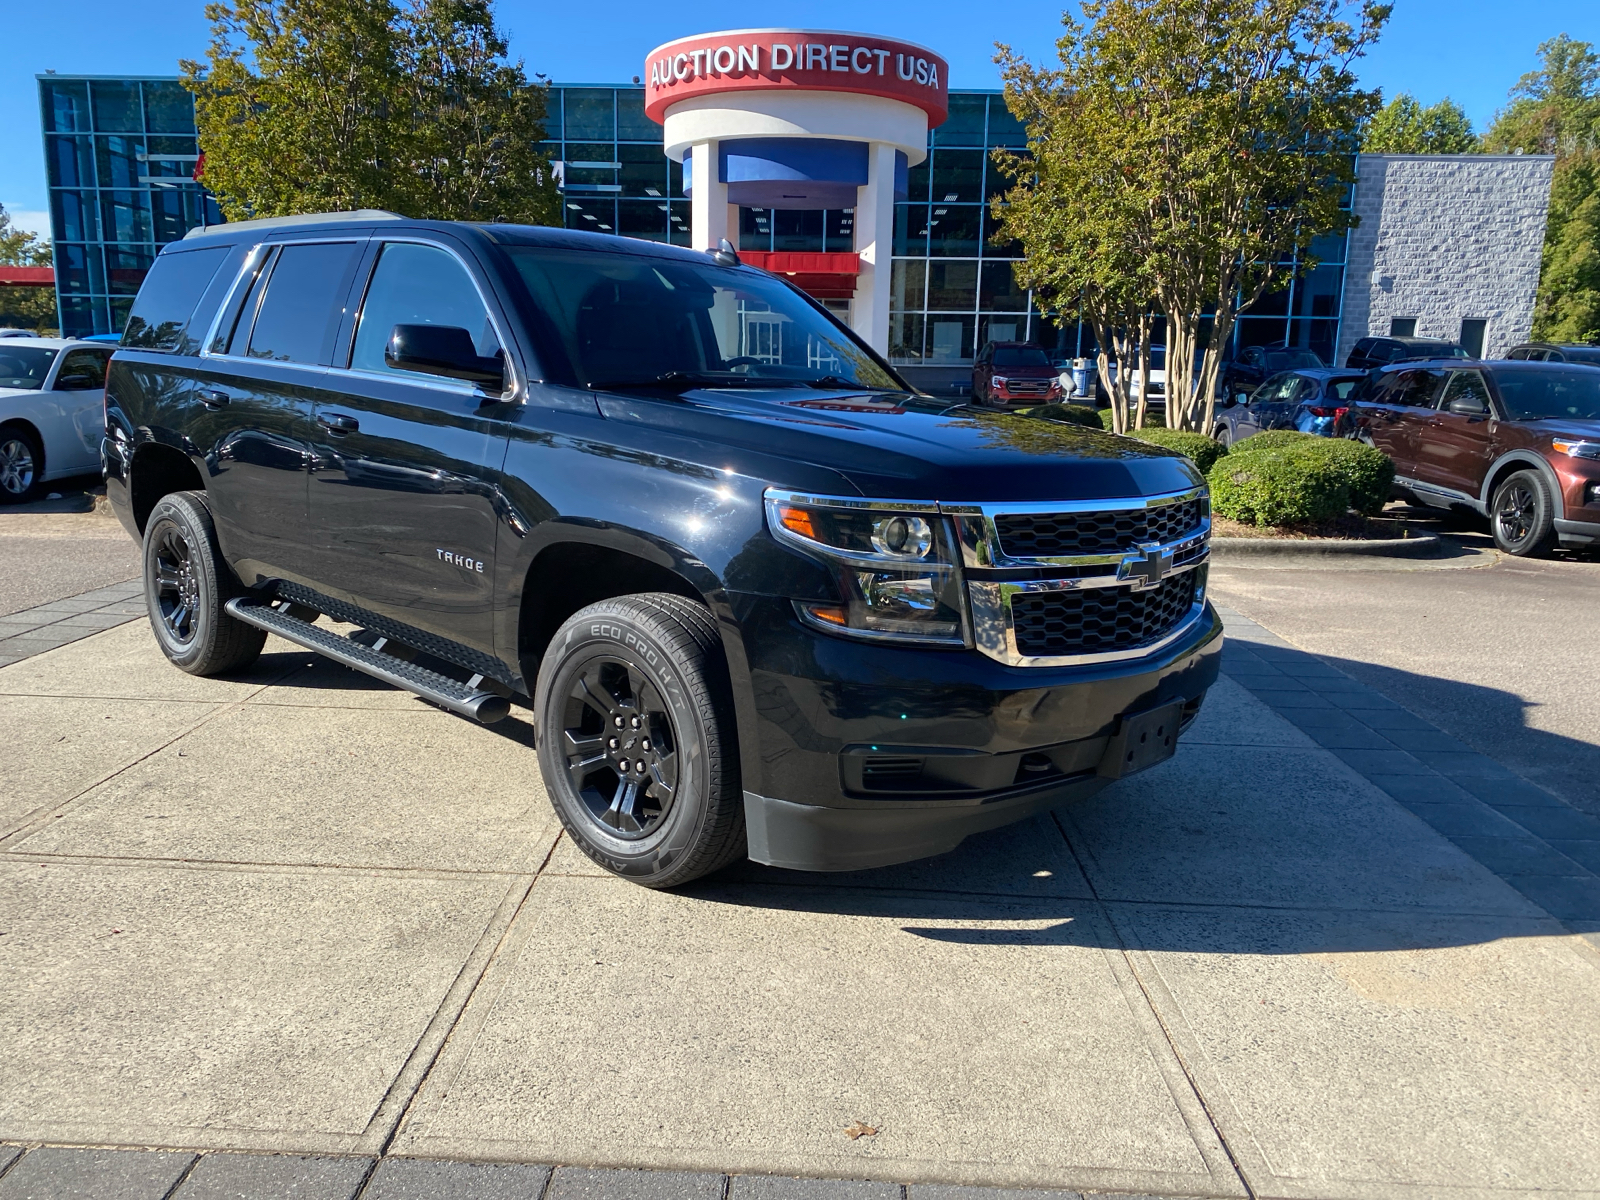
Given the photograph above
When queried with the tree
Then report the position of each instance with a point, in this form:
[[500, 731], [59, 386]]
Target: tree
[[1219, 138], [1556, 110], [1404, 127], [330, 105], [25, 307]]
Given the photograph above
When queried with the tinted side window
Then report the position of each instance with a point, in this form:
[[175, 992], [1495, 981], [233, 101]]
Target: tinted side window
[[418, 285], [168, 297], [1364, 346], [299, 315], [89, 363], [1417, 389], [1468, 386]]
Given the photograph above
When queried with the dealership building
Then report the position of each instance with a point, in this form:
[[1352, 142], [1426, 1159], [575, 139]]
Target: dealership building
[[845, 163]]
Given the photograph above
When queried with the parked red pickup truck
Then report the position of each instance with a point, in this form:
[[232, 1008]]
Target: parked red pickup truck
[[1518, 442]]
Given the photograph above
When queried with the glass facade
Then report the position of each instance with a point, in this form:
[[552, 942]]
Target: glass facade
[[119, 158]]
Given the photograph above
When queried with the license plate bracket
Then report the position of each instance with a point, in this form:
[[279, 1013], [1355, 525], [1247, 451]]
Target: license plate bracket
[[1142, 740]]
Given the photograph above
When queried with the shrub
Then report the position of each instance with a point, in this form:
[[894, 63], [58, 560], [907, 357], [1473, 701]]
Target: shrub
[[1367, 473], [1275, 439], [1154, 420], [1279, 487], [1070, 414], [1201, 449]]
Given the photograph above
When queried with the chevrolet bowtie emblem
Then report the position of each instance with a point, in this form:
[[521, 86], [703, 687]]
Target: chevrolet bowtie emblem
[[1145, 567]]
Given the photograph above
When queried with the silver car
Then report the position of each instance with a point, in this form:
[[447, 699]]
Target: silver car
[[52, 415]]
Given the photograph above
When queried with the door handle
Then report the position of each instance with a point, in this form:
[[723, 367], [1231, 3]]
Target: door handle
[[337, 423], [213, 397]]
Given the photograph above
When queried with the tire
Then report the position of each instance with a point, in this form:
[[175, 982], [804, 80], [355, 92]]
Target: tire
[[640, 681], [1521, 517], [186, 583], [1224, 437], [21, 465]]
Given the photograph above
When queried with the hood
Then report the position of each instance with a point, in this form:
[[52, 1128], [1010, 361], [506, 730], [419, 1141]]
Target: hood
[[1563, 427], [1024, 372], [905, 447]]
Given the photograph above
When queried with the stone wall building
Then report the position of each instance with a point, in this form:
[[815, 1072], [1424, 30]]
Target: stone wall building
[[1448, 246]]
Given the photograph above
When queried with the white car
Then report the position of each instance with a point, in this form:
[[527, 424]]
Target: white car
[[52, 412]]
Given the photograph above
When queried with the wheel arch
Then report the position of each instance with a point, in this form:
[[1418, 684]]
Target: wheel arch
[[158, 470], [1520, 460], [38, 438], [608, 563]]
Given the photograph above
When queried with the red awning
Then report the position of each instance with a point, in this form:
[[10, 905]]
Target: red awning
[[826, 276], [27, 277]]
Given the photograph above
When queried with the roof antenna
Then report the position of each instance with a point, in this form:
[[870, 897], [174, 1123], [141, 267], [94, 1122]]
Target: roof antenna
[[725, 255]]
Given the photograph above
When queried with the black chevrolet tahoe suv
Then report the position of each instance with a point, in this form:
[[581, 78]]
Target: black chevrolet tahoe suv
[[762, 597]]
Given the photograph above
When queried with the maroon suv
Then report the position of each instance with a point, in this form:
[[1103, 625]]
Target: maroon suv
[[1008, 373], [1518, 442]]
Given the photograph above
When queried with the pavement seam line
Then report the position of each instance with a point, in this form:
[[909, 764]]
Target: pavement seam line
[[1155, 1013], [500, 933], [183, 1177], [31, 822]]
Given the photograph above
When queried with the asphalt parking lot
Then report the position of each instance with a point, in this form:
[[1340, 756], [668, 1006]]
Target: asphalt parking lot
[[1329, 950]]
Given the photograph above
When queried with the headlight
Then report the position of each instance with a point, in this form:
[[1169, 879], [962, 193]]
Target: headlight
[[895, 563], [1576, 449], [998, 381]]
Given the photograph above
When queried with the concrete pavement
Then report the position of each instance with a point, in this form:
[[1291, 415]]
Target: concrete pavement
[[51, 550], [297, 912]]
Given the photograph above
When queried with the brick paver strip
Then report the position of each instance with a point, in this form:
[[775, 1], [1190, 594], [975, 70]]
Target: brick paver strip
[[430, 1179], [63, 1173], [1514, 828], [589, 1183], [61, 622], [274, 1177]]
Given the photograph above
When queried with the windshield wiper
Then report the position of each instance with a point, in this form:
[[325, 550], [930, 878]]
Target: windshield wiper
[[834, 383]]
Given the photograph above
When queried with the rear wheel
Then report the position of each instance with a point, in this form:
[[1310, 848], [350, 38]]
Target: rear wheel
[[186, 584], [1521, 516], [636, 739], [21, 464]]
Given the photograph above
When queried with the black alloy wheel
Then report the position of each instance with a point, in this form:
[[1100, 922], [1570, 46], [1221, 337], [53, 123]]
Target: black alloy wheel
[[1520, 517], [21, 463], [186, 584], [175, 590], [637, 748], [620, 747]]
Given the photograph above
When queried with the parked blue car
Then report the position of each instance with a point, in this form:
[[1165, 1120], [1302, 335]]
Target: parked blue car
[[1310, 399]]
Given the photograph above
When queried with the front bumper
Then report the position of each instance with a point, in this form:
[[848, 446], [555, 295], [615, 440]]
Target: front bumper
[[871, 755]]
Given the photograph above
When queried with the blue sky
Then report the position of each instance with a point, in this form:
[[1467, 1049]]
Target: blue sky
[[1470, 50]]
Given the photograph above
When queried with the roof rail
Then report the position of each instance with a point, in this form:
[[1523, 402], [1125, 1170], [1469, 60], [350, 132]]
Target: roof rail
[[360, 214]]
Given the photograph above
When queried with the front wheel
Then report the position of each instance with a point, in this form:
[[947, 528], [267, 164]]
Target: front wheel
[[636, 739], [21, 465], [1520, 516], [186, 584], [1224, 436]]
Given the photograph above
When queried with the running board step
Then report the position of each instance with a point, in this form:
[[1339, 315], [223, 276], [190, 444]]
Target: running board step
[[466, 699]]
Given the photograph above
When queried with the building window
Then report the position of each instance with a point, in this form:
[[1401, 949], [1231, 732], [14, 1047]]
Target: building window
[[1473, 332], [1402, 327]]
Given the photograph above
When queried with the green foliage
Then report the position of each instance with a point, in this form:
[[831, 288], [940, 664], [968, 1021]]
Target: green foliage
[[1556, 110], [1363, 475], [1278, 487], [1071, 414], [330, 105], [25, 307], [1180, 154], [1151, 421], [1197, 447], [1404, 127], [1275, 439]]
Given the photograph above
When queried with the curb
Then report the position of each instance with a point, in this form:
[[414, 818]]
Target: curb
[[1411, 547]]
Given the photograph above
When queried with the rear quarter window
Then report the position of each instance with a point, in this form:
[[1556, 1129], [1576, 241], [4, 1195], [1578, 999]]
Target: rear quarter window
[[168, 297]]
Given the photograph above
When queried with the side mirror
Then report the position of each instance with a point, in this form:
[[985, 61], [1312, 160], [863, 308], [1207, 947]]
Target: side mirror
[[74, 383], [1464, 406], [443, 350]]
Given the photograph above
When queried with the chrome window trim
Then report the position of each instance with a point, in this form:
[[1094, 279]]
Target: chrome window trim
[[247, 270], [989, 600]]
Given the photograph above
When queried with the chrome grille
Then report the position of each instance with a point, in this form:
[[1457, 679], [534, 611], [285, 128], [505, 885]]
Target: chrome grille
[[1098, 620], [1066, 534]]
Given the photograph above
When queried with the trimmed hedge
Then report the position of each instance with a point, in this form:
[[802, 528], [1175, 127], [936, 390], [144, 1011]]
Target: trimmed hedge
[[1068, 414], [1201, 449], [1367, 473], [1278, 487], [1157, 421]]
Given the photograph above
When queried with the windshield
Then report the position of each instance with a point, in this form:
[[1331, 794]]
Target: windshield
[[1292, 360], [1551, 391], [1020, 356], [630, 319], [25, 366]]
